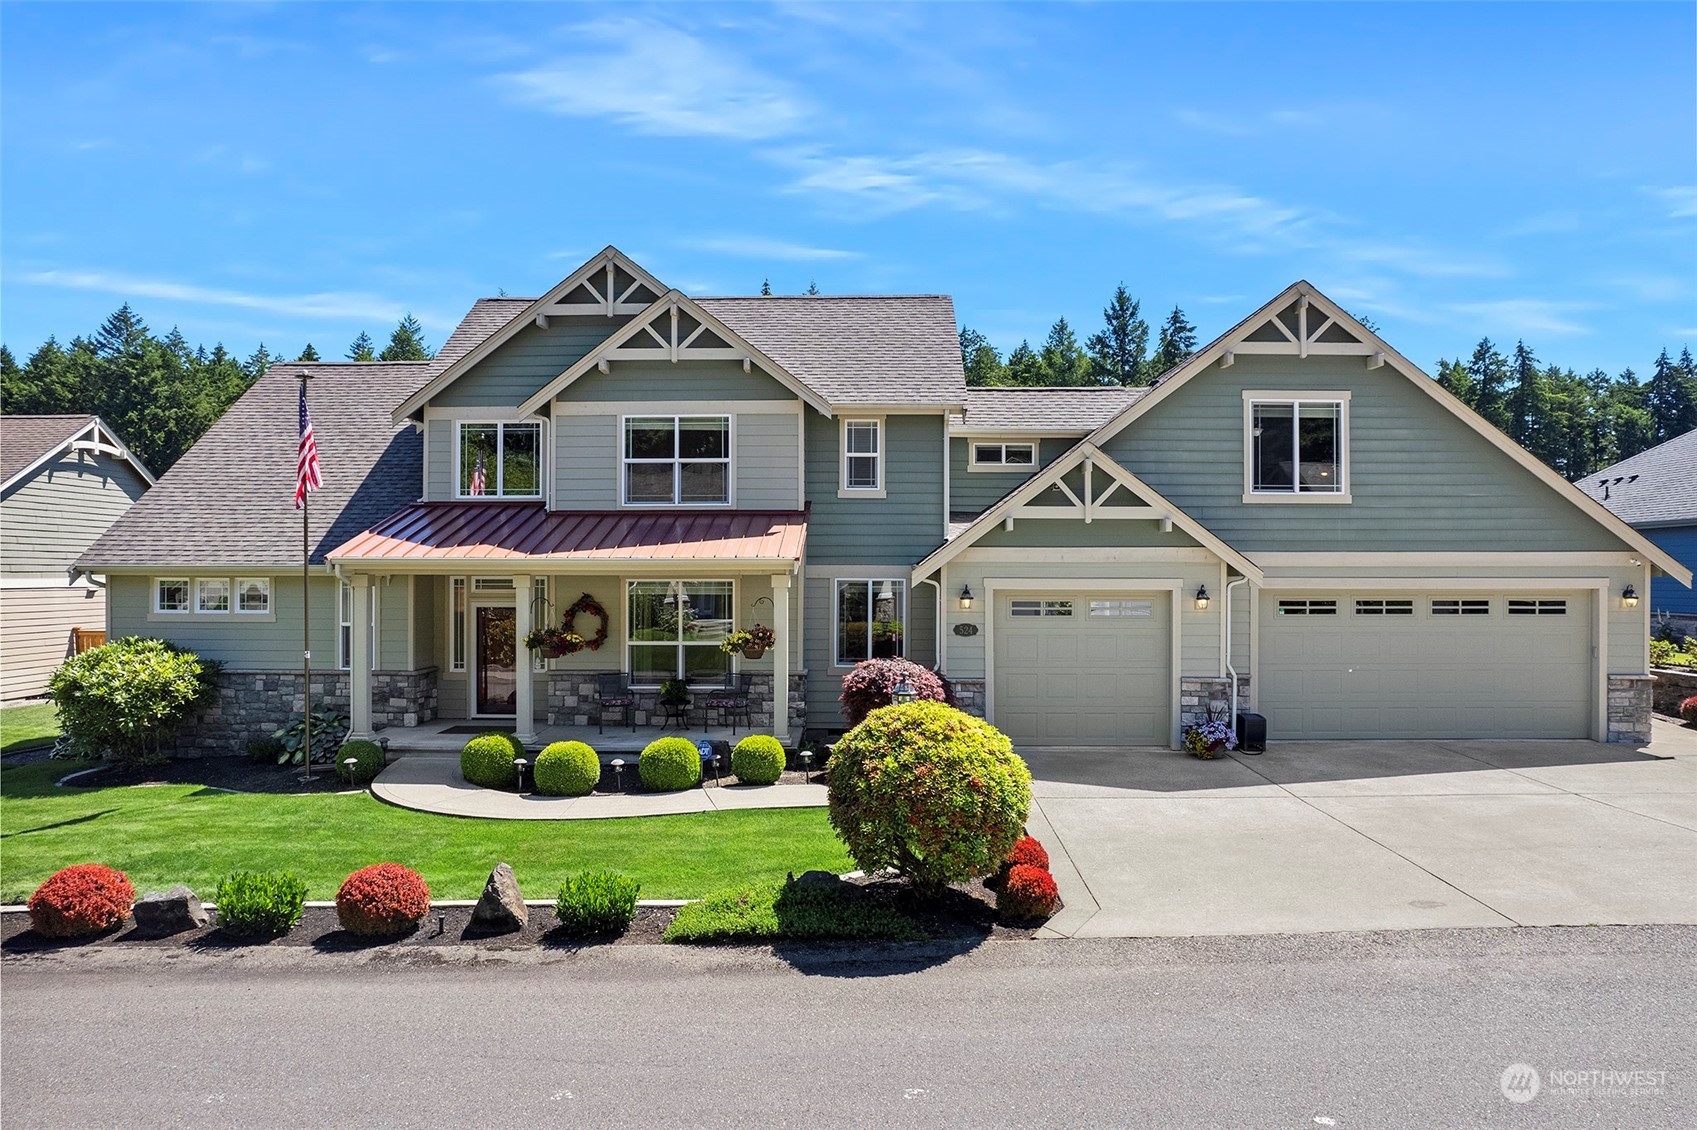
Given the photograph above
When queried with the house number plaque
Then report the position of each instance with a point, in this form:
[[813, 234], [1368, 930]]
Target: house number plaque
[[966, 629]]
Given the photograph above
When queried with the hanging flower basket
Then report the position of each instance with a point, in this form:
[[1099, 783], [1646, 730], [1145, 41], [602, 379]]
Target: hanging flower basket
[[752, 642], [753, 650]]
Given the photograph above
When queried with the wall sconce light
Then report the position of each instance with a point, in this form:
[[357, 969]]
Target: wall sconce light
[[1202, 597], [1629, 597], [966, 598]]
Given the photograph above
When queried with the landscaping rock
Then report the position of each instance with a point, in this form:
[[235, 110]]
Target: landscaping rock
[[501, 907], [169, 912]]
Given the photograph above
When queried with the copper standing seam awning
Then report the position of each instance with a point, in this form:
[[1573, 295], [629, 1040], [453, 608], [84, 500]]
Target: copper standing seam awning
[[493, 533]]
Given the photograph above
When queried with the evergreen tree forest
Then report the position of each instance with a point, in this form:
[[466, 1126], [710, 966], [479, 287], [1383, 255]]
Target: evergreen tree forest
[[160, 393]]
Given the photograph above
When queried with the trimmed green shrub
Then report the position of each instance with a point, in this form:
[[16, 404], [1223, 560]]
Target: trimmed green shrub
[[487, 760], [257, 903], [130, 697], [369, 758], [758, 760], [790, 910], [930, 791], [670, 763], [596, 902], [567, 769]]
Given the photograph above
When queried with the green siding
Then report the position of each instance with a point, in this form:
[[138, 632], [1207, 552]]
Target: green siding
[[586, 462], [767, 450], [242, 643], [661, 380], [521, 365], [439, 459], [392, 615], [48, 519], [1421, 480], [973, 492], [898, 529]]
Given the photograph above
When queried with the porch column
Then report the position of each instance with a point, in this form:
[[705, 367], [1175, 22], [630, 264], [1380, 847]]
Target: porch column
[[781, 658], [359, 658], [525, 703]]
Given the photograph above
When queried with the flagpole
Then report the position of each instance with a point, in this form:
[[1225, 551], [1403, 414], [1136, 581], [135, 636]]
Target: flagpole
[[306, 617]]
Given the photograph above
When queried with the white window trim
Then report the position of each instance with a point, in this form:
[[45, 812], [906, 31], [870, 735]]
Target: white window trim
[[461, 423], [188, 591], [344, 610], [1252, 397], [236, 596], [229, 597], [972, 463], [625, 584], [837, 615], [677, 482], [459, 613], [843, 489]]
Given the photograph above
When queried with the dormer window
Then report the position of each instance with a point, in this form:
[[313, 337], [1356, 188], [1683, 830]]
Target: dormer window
[[677, 461], [1296, 447], [500, 460]]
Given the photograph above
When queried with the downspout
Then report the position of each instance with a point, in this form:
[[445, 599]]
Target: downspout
[[1231, 696], [932, 581]]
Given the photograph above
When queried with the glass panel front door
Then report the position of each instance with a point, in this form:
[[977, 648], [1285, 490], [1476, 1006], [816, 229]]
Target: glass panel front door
[[497, 685]]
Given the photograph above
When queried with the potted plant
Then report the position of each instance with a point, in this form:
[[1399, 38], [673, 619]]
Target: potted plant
[[553, 642], [1207, 739], [674, 692]]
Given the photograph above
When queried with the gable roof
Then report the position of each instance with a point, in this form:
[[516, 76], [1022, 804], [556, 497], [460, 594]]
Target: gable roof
[[1657, 487], [26, 442], [229, 501], [1053, 474], [1049, 410], [1251, 335], [485, 317]]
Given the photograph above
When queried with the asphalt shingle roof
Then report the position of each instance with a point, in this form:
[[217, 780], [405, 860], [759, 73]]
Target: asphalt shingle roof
[[1046, 409], [24, 439], [230, 499], [1657, 487], [485, 317]]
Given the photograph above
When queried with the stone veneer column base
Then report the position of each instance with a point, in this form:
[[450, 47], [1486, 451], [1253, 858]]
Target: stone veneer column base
[[571, 701], [403, 698], [1203, 696], [1629, 708], [968, 695]]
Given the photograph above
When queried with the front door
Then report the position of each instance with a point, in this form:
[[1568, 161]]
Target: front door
[[497, 685]]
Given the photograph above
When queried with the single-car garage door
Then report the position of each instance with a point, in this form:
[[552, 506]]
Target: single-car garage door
[[1083, 669], [1426, 665]]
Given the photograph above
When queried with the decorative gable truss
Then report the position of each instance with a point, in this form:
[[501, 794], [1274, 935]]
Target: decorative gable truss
[[1302, 329], [611, 287], [95, 438], [1089, 493]]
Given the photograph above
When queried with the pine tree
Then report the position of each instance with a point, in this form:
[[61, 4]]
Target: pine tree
[[1671, 399], [258, 363], [1117, 351], [309, 354], [1527, 402], [1452, 375], [979, 360], [1177, 341], [406, 343], [1063, 361], [812, 288], [765, 288], [362, 349], [1024, 367], [1488, 371], [1634, 427]]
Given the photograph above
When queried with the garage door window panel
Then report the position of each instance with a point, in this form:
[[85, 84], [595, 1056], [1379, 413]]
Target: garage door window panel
[[1537, 608]]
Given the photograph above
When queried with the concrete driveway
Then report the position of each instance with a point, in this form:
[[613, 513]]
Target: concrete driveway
[[1319, 836]]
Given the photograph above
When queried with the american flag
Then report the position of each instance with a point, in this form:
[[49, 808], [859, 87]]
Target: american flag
[[306, 457], [479, 479]]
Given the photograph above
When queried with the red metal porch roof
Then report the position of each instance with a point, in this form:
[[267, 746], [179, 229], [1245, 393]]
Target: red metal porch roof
[[497, 531]]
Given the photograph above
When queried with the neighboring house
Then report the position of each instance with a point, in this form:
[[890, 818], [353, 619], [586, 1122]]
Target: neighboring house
[[63, 481], [1296, 506], [1655, 492]]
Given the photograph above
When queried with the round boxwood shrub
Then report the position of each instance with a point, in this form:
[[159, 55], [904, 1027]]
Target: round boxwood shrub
[[567, 769], [369, 762], [251, 903], [487, 760], [129, 698], [670, 763], [873, 684], [1688, 709], [928, 790], [1028, 892], [382, 899], [75, 902], [758, 760]]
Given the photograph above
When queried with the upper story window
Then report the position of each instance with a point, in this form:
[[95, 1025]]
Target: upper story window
[[500, 460], [1297, 447], [677, 461], [1003, 456], [863, 457]]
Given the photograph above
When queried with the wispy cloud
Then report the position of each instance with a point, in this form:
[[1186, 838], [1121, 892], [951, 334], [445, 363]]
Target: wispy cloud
[[756, 247], [659, 79], [1411, 259], [1526, 316], [1681, 200], [1544, 223], [342, 307]]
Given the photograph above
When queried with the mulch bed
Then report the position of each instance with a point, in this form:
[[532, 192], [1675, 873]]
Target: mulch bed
[[235, 774]]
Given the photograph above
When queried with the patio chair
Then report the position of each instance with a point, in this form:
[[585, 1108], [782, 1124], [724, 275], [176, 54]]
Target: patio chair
[[612, 692], [730, 701]]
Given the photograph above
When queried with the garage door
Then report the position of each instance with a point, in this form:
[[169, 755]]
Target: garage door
[[1083, 669], [1426, 665]]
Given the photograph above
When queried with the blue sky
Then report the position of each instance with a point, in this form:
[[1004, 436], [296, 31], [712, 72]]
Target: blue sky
[[302, 172]]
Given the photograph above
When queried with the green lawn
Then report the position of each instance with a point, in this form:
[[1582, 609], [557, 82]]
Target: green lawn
[[170, 834], [22, 727]]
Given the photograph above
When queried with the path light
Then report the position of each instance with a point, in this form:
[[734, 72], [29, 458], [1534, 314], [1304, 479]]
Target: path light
[[1629, 597], [806, 756], [441, 921], [350, 765], [1202, 597], [519, 763], [618, 774], [966, 598], [904, 692]]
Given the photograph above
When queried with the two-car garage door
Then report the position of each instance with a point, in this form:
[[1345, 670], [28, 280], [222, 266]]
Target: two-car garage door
[[1426, 665]]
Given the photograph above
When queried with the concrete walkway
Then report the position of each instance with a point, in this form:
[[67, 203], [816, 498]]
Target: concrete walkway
[[431, 782], [1324, 836]]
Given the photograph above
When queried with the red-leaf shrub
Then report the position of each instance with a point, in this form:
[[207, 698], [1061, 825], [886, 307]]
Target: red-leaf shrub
[[1028, 851], [1028, 892], [384, 898], [873, 684], [1688, 709], [81, 900]]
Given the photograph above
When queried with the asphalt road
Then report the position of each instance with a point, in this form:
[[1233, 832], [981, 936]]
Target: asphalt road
[[1404, 1030]]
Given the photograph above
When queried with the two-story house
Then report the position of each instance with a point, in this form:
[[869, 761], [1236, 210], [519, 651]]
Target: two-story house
[[1297, 507]]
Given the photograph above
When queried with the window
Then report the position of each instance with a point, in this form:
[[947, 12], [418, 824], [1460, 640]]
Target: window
[[1384, 608], [1308, 608], [673, 629], [1121, 608], [1461, 608], [677, 460], [345, 628], [1001, 456], [171, 596], [869, 620], [540, 614], [212, 594], [492, 584], [1537, 608], [253, 595], [1039, 608], [863, 456], [1297, 447], [456, 626], [500, 460]]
